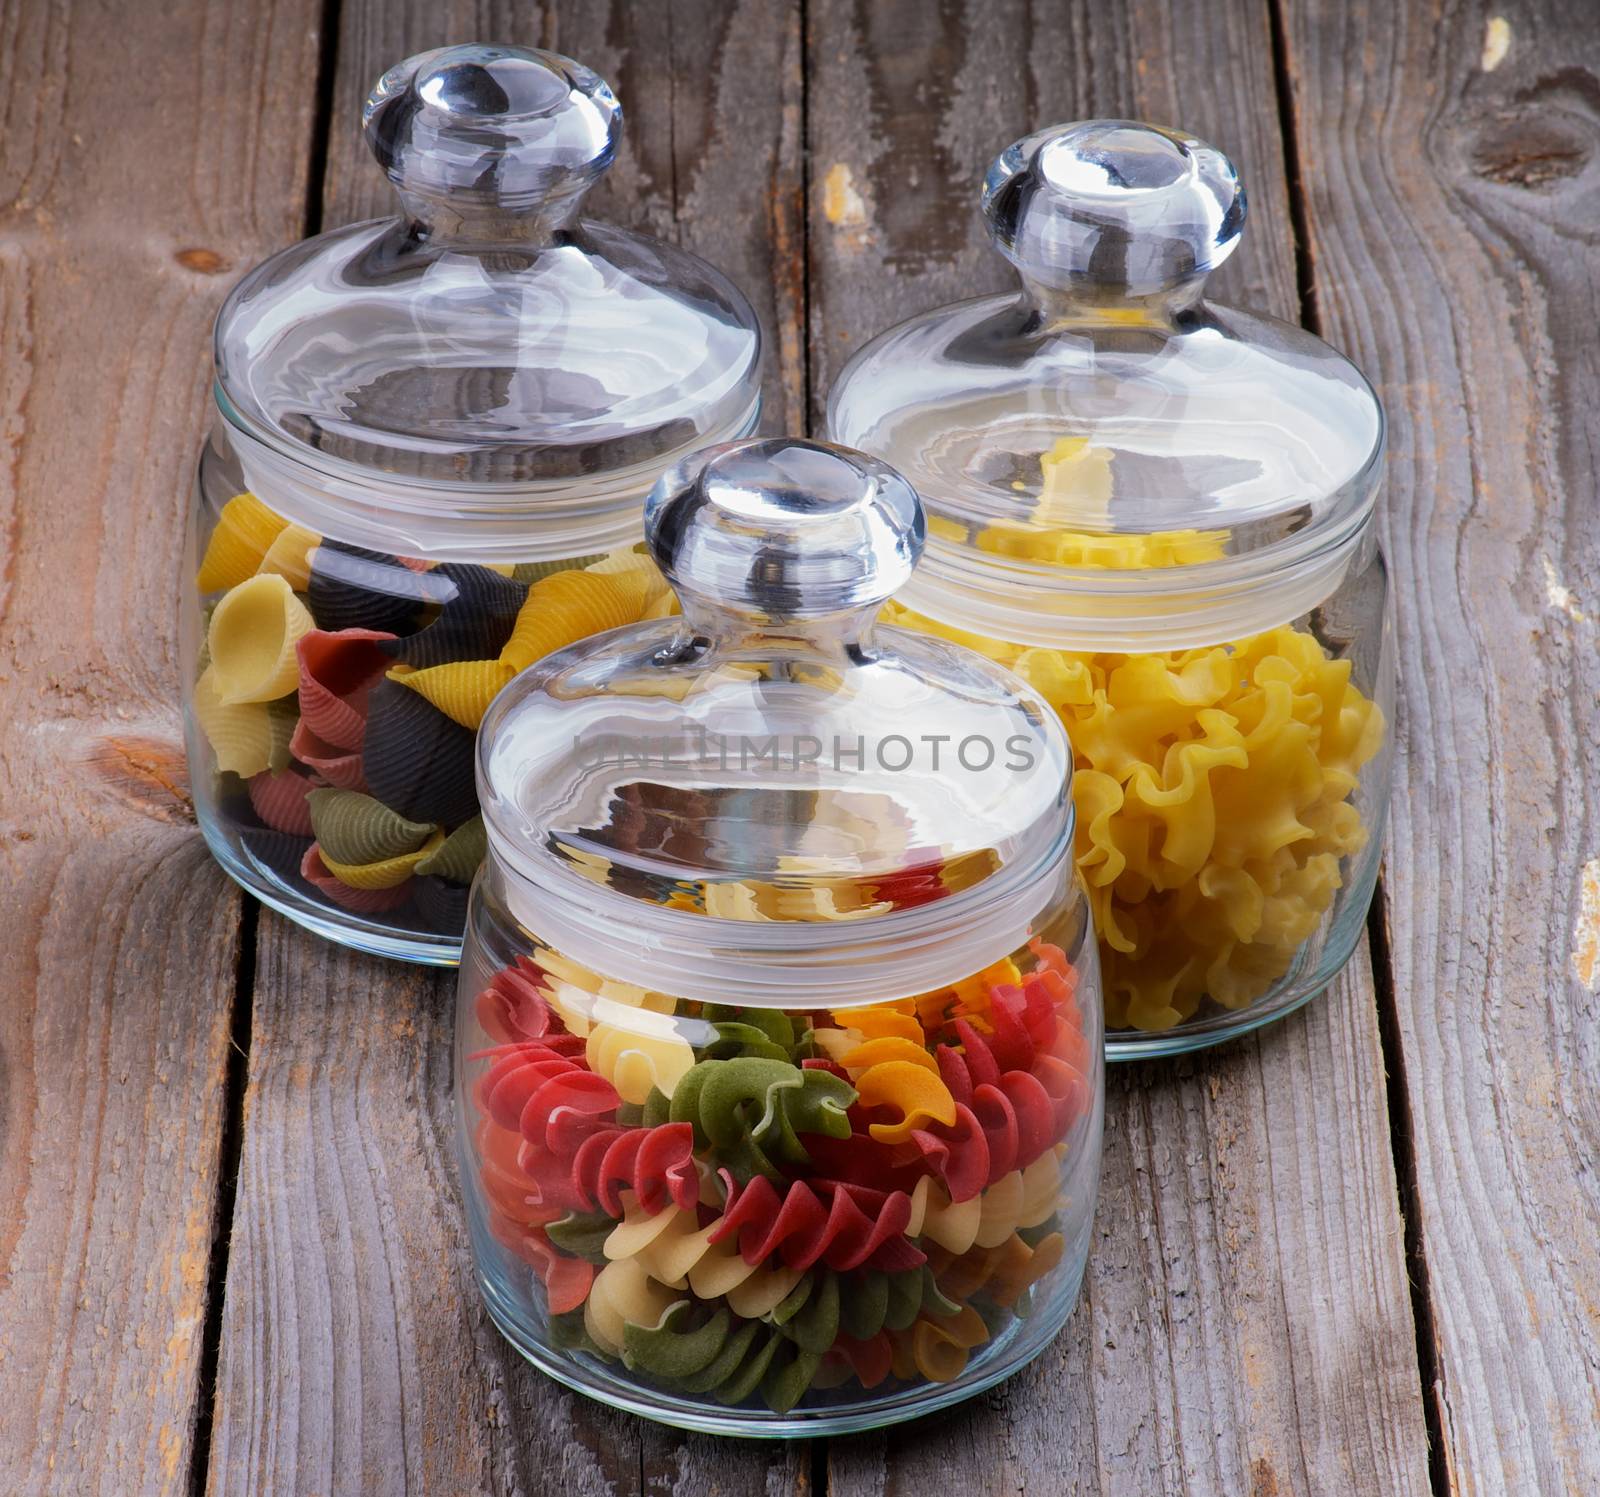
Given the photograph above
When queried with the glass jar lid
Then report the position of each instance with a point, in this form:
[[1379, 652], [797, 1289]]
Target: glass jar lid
[[771, 799], [1108, 460], [485, 374]]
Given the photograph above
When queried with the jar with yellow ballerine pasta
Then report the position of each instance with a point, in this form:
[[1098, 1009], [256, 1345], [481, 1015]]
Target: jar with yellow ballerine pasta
[[1159, 512], [434, 438], [779, 1077]]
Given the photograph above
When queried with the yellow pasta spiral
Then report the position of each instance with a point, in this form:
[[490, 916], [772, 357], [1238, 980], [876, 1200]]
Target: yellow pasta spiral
[[631, 1037]]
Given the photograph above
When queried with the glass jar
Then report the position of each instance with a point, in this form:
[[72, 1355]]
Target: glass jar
[[1158, 511], [433, 441], [779, 1075]]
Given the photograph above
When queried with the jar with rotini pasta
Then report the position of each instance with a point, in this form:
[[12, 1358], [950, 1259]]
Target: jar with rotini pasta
[[1159, 512], [433, 440], [779, 1074]]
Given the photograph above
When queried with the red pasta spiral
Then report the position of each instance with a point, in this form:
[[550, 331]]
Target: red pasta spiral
[[869, 1361], [829, 1221], [656, 1164], [513, 1006]]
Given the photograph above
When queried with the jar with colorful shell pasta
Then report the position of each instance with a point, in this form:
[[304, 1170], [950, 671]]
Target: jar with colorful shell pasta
[[434, 437], [779, 1073], [1159, 512]]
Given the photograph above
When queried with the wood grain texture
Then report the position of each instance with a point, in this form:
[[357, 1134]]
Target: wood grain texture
[[1246, 1325], [355, 1354], [1453, 176], [131, 177], [711, 157]]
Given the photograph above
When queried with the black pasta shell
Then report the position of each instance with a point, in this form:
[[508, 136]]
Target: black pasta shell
[[351, 588], [279, 854], [442, 906], [416, 760], [474, 624]]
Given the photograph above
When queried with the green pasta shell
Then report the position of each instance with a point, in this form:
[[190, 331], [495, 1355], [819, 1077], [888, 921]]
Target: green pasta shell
[[463, 852], [354, 828]]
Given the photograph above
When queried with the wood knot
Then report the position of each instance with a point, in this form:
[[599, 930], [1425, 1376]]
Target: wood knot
[[1535, 152], [148, 774], [205, 261]]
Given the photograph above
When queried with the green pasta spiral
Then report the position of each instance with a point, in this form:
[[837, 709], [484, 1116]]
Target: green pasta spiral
[[751, 1112], [765, 1034], [724, 1356]]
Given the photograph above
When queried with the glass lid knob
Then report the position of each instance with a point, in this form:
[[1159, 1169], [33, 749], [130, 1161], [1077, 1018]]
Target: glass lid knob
[[782, 528], [492, 128], [1113, 209]]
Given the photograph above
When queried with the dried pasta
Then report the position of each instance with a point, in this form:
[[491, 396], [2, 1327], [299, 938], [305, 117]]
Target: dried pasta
[[252, 638], [769, 1220], [1213, 790]]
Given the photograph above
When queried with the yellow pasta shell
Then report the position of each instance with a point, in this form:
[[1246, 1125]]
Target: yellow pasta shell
[[462, 689], [569, 606], [252, 637], [241, 736], [246, 528], [386, 874], [289, 556]]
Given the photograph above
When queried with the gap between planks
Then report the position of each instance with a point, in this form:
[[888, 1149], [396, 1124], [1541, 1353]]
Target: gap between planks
[[241, 1016], [1402, 1142]]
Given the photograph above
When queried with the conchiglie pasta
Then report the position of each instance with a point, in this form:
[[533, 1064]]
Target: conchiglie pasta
[[246, 530], [568, 606], [461, 689], [241, 735], [252, 639]]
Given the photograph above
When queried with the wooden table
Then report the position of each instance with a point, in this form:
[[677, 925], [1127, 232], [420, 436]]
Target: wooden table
[[1357, 1254]]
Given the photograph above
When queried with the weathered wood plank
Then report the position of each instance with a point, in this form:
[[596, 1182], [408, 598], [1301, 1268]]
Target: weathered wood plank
[[1246, 1324], [1451, 162], [134, 172], [354, 1353]]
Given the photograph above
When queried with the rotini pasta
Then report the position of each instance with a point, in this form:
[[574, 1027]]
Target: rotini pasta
[[706, 1207]]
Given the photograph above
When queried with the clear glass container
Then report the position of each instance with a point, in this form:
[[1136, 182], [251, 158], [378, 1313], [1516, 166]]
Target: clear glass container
[[1158, 511], [434, 437], [779, 1071]]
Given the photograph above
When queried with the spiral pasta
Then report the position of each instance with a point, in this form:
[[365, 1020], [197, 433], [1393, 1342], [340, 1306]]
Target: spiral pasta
[[771, 1221]]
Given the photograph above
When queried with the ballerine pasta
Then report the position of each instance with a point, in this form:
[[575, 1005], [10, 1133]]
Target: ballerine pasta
[[1213, 793]]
